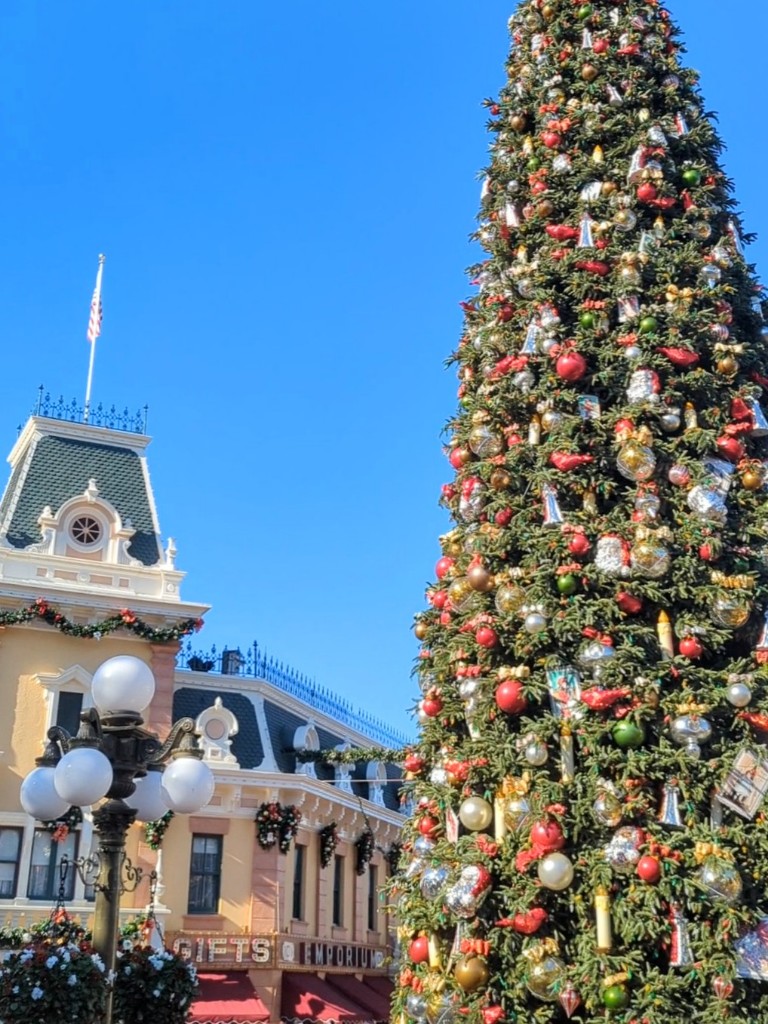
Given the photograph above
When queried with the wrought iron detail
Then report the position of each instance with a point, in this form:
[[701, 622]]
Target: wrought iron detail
[[98, 415], [256, 664]]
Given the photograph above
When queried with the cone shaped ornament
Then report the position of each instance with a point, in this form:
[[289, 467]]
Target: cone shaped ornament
[[599, 693]]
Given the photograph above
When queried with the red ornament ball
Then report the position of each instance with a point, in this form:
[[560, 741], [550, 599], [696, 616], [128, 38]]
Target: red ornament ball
[[571, 366], [432, 706], [649, 869], [414, 763], [579, 544], [459, 457], [443, 567], [646, 192], [547, 835], [510, 697], [730, 448], [418, 950], [691, 647], [487, 637], [428, 825]]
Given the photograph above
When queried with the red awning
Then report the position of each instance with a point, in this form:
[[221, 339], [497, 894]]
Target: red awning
[[227, 998], [307, 998], [381, 984], [375, 1002]]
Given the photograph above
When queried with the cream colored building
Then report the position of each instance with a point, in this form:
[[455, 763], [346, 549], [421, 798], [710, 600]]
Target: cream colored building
[[80, 546]]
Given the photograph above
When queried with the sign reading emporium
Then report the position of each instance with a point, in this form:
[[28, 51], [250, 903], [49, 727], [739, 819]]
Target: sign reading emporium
[[283, 951]]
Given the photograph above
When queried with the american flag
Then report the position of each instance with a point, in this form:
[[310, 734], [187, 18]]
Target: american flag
[[94, 321]]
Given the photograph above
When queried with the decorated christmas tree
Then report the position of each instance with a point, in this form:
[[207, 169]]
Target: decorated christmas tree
[[589, 838]]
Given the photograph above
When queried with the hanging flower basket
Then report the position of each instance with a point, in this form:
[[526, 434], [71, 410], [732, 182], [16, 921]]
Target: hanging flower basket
[[364, 849], [277, 824], [329, 840], [153, 986], [52, 984]]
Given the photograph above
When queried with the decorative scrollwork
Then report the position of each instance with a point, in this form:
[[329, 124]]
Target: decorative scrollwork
[[181, 736]]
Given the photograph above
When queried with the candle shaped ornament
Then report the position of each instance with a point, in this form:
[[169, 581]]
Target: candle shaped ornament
[[603, 921], [666, 636], [567, 755]]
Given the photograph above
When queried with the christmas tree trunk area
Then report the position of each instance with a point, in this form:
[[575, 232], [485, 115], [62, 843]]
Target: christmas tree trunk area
[[589, 839]]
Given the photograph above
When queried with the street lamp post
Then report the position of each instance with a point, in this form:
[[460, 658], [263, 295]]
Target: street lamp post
[[113, 758]]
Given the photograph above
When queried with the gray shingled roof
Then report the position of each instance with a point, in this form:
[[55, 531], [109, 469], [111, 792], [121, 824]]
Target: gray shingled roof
[[247, 747], [61, 468]]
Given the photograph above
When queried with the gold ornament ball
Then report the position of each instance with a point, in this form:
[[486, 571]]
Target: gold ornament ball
[[650, 558], [421, 629], [732, 610], [722, 880], [484, 442], [546, 978], [551, 419], [500, 479], [460, 593], [727, 366], [548, 12], [752, 479], [589, 72], [545, 208], [517, 122], [471, 973], [475, 813], [516, 813], [480, 579], [509, 599], [636, 461]]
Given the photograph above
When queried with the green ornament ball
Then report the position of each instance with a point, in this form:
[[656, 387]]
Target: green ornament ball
[[533, 164], [588, 320], [584, 12], [648, 324], [567, 584], [615, 997], [692, 176], [627, 734]]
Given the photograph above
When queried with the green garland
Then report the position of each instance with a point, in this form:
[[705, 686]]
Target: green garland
[[154, 831], [124, 619], [387, 755]]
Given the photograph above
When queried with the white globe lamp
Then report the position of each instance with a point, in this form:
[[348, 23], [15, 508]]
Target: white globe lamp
[[83, 776], [123, 683], [39, 797], [148, 801], [187, 785]]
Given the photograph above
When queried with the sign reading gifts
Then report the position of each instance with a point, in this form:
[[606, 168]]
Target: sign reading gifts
[[287, 952]]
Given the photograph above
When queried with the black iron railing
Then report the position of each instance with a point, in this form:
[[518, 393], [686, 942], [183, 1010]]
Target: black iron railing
[[97, 415], [257, 664]]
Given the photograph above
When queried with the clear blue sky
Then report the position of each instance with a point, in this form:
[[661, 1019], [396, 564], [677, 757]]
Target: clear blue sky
[[284, 194]]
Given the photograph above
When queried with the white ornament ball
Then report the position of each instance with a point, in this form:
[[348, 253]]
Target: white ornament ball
[[536, 753], [738, 694], [534, 622], [555, 871]]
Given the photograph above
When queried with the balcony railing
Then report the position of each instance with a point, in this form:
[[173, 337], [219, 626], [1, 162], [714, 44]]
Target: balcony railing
[[97, 415], [254, 663]]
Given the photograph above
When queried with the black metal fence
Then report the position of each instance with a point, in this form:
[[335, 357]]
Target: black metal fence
[[97, 415], [254, 663]]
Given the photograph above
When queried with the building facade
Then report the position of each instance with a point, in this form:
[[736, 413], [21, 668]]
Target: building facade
[[273, 889]]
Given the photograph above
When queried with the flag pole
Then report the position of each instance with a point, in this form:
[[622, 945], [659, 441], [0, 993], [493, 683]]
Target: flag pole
[[94, 330]]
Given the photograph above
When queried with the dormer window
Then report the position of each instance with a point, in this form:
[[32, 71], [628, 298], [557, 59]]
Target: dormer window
[[86, 531]]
